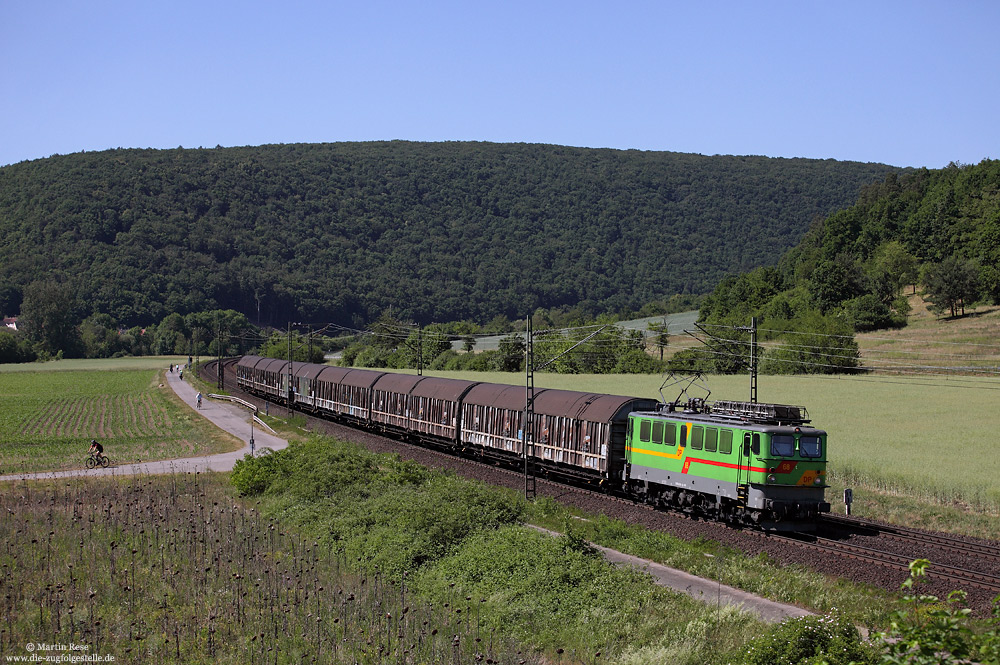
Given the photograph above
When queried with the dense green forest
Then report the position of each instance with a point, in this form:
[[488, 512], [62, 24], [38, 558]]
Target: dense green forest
[[438, 231], [937, 231]]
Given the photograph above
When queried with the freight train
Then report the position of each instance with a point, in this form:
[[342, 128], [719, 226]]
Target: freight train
[[746, 463]]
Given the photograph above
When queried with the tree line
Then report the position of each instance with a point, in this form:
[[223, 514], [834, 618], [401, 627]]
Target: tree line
[[52, 326], [592, 347]]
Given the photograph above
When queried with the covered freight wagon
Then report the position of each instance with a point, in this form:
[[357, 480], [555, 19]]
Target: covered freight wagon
[[582, 431]]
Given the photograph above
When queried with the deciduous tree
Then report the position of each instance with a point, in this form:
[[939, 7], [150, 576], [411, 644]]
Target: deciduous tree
[[949, 285], [49, 315]]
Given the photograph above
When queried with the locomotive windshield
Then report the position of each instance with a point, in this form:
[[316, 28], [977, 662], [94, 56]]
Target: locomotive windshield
[[782, 445], [809, 446]]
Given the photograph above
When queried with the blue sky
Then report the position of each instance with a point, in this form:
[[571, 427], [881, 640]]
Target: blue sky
[[905, 83]]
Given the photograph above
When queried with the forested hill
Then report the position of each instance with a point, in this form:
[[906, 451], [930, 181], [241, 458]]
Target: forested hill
[[938, 230], [439, 231]]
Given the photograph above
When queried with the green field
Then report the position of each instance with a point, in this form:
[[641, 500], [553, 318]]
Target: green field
[[47, 418], [85, 364], [927, 438]]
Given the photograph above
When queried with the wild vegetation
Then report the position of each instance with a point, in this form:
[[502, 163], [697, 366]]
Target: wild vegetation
[[441, 231], [50, 327], [601, 348], [173, 570]]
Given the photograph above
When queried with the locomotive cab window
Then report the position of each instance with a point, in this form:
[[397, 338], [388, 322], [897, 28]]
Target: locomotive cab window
[[644, 427], [810, 446], [782, 445], [697, 437]]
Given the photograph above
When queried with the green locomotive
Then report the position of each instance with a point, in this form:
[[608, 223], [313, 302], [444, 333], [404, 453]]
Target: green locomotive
[[744, 462]]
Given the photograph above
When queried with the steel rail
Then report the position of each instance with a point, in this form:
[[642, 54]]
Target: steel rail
[[905, 534]]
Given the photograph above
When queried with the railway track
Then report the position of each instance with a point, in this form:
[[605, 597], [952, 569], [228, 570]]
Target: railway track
[[953, 575], [903, 534]]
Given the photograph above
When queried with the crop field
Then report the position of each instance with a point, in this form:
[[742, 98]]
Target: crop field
[[81, 364], [928, 437], [47, 419]]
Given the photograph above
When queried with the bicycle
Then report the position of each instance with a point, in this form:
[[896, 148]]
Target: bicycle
[[93, 461]]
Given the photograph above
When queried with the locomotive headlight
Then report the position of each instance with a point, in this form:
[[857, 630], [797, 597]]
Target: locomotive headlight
[[771, 478], [818, 480]]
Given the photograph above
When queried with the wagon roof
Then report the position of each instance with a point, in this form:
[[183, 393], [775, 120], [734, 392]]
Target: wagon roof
[[333, 374], [397, 383], [595, 407], [441, 388], [255, 362], [272, 365], [363, 378], [308, 370], [607, 407], [248, 361], [498, 395]]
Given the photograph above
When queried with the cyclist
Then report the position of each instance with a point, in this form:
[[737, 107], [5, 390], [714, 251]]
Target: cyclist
[[199, 400], [96, 449]]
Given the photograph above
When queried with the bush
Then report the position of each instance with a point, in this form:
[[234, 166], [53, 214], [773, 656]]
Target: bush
[[14, 348], [371, 356], [403, 525], [350, 354], [389, 514], [307, 470], [869, 313], [444, 360], [812, 344], [828, 639], [252, 476], [532, 579], [636, 361], [930, 632]]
